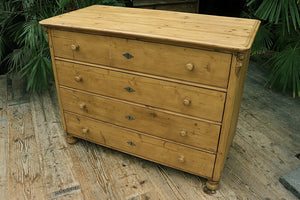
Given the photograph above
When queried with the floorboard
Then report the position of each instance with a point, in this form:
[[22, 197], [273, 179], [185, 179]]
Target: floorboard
[[3, 139], [23, 168], [59, 176]]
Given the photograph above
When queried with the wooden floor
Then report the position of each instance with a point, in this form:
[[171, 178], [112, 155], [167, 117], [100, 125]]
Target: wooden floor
[[36, 162]]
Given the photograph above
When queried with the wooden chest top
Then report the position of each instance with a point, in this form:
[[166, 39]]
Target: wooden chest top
[[193, 30]]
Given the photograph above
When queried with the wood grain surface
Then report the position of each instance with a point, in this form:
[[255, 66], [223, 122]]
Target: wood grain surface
[[3, 139], [231, 112], [134, 63], [59, 177], [206, 104], [23, 168], [263, 149], [141, 118], [204, 31], [136, 143], [209, 68]]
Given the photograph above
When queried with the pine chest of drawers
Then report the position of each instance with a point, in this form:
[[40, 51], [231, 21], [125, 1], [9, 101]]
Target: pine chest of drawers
[[160, 85]]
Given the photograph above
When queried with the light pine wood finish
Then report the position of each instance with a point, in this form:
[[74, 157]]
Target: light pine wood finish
[[182, 67], [193, 65], [142, 74], [263, 149], [69, 138], [162, 151], [213, 32], [194, 101], [168, 125], [232, 106]]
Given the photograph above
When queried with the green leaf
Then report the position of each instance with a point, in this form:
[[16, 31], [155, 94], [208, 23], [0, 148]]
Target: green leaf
[[275, 11], [23, 42], [285, 71], [263, 40]]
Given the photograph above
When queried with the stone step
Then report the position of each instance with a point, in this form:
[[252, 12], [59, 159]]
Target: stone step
[[292, 182]]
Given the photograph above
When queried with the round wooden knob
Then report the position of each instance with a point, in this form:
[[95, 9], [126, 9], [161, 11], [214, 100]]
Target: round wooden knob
[[189, 66], [187, 101], [85, 130], [183, 133], [82, 105], [181, 159], [241, 56], [78, 78], [74, 47]]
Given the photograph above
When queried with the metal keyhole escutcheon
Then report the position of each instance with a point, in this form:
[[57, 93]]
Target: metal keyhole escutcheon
[[129, 117], [129, 89], [131, 143], [128, 55]]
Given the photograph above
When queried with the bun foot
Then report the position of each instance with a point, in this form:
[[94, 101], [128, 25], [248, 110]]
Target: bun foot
[[71, 139], [211, 187]]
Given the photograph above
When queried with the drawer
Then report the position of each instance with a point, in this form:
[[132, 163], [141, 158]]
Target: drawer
[[165, 125], [135, 143], [194, 101], [193, 65]]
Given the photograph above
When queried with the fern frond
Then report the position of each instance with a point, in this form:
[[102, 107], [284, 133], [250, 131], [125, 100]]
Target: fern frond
[[274, 10], [285, 71], [263, 40]]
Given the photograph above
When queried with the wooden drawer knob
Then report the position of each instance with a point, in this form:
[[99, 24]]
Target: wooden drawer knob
[[241, 56], [183, 133], [187, 101], [189, 66], [82, 105], [85, 130], [78, 78], [74, 47], [181, 159]]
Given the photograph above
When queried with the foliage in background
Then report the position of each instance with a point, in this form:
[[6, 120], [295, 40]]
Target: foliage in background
[[23, 43], [280, 33]]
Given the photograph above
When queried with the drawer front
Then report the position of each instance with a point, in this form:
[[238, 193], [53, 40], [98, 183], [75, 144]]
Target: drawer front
[[198, 102], [151, 148], [180, 129], [193, 65]]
